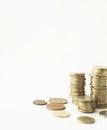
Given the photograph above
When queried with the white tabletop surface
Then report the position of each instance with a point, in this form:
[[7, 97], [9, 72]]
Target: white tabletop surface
[[41, 42]]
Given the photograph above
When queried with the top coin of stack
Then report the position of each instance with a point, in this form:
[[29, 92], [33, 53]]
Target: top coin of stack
[[77, 87], [56, 104], [99, 71], [99, 86]]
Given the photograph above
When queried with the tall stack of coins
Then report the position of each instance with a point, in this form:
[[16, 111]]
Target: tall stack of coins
[[86, 104], [99, 86], [77, 87]]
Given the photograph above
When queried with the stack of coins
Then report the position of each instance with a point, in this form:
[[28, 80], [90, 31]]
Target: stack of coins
[[56, 104], [99, 86], [86, 104], [77, 87]]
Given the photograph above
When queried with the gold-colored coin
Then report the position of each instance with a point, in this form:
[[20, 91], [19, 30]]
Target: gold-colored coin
[[86, 119], [77, 77], [78, 94], [58, 100], [79, 74], [77, 83], [104, 113], [85, 98], [39, 102], [61, 114], [86, 111], [77, 89], [98, 77], [99, 106], [100, 70]]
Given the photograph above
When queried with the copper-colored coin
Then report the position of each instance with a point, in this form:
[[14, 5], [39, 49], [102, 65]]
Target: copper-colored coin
[[55, 106], [39, 102], [58, 100], [104, 113], [86, 119]]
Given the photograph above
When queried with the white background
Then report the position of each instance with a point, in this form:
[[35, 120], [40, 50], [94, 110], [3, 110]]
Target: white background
[[41, 42]]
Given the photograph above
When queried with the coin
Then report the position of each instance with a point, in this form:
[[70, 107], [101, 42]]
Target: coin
[[100, 106], [86, 111], [86, 119], [100, 70], [98, 77], [39, 102], [55, 106], [104, 113], [58, 100], [77, 74], [85, 98], [61, 114], [77, 94], [77, 89], [77, 83]]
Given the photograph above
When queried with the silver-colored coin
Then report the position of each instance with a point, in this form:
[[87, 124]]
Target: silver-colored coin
[[61, 114]]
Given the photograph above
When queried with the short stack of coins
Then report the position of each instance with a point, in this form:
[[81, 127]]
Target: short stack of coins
[[99, 86], [77, 87], [86, 104]]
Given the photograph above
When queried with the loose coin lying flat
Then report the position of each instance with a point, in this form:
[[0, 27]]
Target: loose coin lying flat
[[55, 106], [61, 114], [39, 102], [104, 113], [86, 119], [58, 100]]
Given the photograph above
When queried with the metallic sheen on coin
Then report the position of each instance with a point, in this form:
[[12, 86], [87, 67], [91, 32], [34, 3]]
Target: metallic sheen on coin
[[86, 119], [39, 102], [55, 106], [104, 113], [58, 100]]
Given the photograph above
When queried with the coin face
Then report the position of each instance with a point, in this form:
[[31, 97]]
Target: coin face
[[86, 119], [55, 106], [61, 114], [58, 100], [77, 75], [39, 102], [104, 113]]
